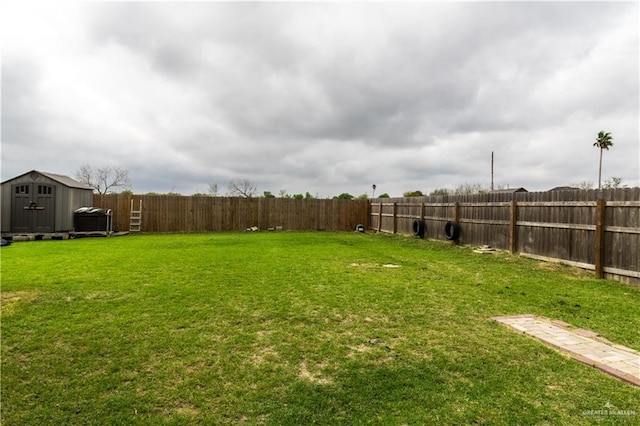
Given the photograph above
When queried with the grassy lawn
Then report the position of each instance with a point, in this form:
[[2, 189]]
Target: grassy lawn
[[298, 328]]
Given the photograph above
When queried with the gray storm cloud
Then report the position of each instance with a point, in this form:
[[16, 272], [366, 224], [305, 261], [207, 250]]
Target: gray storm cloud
[[323, 97]]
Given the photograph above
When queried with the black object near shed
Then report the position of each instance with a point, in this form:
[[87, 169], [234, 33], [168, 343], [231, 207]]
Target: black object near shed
[[92, 220]]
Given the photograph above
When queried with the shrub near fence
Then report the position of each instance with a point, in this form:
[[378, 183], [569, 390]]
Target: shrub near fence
[[173, 213], [597, 229]]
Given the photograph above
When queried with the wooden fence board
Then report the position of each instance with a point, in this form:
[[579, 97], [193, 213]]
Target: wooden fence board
[[167, 213], [559, 225]]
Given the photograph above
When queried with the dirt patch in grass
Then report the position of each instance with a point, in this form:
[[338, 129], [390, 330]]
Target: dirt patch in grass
[[359, 349], [185, 410], [10, 301], [97, 295], [374, 265], [305, 374], [571, 271], [263, 334], [263, 355]]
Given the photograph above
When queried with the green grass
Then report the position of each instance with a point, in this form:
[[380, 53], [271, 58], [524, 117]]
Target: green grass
[[297, 328]]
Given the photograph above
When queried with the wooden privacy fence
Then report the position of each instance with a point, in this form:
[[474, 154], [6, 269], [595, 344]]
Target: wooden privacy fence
[[596, 230], [173, 213]]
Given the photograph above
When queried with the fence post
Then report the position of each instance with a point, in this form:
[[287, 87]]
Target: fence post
[[422, 210], [513, 235], [599, 237], [380, 217], [395, 218], [456, 212]]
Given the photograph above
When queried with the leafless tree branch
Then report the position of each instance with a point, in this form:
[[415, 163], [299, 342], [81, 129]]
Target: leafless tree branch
[[242, 188], [104, 179]]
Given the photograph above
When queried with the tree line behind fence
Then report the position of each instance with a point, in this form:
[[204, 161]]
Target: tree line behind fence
[[568, 226]]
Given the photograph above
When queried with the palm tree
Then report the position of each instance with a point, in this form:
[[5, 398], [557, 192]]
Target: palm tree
[[603, 141]]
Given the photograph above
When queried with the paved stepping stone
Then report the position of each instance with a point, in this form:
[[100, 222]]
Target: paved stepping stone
[[583, 345]]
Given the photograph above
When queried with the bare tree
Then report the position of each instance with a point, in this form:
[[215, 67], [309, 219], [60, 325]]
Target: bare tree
[[241, 188], [582, 185], [105, 179], [614, 182]]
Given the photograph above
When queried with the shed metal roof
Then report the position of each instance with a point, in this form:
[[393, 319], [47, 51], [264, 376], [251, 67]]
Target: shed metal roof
[[65, 180]]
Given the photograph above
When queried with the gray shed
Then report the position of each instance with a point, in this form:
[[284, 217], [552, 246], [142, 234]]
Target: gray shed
[[42, 202]]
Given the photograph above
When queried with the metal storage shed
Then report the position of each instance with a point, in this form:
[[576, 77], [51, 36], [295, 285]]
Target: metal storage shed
[[41, 202]]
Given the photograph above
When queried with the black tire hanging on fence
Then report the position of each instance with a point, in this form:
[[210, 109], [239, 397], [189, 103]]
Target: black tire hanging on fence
[[452, 230], [418, 228]]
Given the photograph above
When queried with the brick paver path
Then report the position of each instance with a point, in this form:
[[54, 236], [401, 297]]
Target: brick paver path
[[583, 345]]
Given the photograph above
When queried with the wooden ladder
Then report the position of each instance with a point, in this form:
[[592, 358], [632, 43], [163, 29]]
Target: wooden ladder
[[135, 219]]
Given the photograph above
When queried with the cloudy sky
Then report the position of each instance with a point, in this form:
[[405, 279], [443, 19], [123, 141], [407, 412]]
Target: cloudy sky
[[322, 97]]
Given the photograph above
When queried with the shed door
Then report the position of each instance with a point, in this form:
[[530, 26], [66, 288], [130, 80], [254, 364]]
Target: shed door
[[33, 208]]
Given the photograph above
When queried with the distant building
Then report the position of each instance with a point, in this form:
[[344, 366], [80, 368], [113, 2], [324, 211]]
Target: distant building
[[564, 188], [507, 191]]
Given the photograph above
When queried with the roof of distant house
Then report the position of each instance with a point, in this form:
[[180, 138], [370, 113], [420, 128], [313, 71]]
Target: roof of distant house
[[564, 188], [507, 190]]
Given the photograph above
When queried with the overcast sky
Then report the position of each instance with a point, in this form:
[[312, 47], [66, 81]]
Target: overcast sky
[[322, 97]]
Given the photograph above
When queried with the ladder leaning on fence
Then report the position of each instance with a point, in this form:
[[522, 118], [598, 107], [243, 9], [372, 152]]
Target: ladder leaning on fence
[[135, 219]]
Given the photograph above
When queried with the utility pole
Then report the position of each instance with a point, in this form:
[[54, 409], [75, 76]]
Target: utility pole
[[492, 170]]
